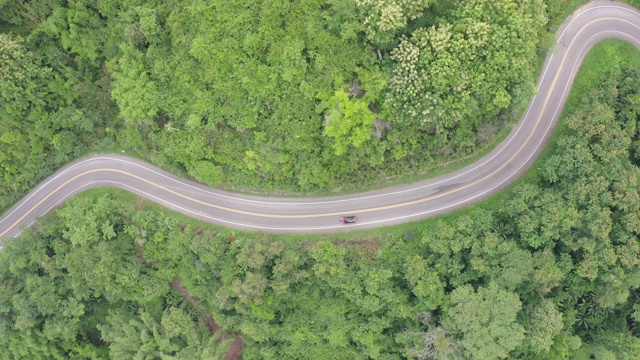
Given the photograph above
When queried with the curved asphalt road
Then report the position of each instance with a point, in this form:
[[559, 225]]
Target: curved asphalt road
[[590, 24]]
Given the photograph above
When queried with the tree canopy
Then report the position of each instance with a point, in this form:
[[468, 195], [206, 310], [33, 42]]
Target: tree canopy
[[305, 95], [313, 95], [549, 271]]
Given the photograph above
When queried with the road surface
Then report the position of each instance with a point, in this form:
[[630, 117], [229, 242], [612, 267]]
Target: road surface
[[590, 24]]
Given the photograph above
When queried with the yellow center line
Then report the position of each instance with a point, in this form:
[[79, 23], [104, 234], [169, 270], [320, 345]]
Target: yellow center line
[[380, 208]]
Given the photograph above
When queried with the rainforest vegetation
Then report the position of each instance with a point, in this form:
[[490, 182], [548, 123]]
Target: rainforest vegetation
[[550, 269], [264, 95], [278, 95]]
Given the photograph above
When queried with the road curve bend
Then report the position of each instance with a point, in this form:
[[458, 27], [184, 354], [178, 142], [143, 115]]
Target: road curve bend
[[588, 25]]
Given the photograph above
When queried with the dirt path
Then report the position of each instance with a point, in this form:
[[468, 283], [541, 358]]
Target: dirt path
[[235, 349]]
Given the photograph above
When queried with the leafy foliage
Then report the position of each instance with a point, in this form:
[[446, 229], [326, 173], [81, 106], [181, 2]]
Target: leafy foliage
[[274, 95], [47, 117], [289, 95], [486, 319], [78, 290], [455, 75], [385, 19], [551, 272]]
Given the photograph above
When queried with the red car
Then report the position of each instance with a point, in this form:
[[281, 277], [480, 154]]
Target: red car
[[348, 219]]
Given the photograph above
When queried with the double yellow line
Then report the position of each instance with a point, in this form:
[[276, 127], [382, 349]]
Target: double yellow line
[[380, 208]]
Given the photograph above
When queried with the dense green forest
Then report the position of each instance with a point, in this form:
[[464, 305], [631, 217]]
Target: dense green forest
[[281, 95], [550, 269], [264, 95]]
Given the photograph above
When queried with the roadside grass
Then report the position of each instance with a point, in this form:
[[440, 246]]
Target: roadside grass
[[595, 65], [560, 11], [107, 146], [635, 3]]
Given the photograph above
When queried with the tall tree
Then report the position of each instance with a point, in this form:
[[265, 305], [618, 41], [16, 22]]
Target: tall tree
[[485, 321]]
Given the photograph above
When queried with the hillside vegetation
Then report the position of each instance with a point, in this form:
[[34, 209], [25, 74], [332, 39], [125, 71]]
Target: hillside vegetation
[[550, 269], [266, 95]]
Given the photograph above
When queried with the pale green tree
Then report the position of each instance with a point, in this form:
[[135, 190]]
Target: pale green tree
[[174, 336], [385, 18], [545, 322], [485, 321], [458, 73]]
